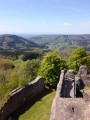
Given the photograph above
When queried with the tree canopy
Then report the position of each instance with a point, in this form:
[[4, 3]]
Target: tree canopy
[[78, 57], [6, 64], [22, 57], [51, 66]]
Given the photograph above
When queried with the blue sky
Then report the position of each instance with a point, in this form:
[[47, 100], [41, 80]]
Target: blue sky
[[45, 16]]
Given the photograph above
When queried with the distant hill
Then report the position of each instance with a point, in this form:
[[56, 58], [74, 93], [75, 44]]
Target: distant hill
[[62, 41], [16, 42]]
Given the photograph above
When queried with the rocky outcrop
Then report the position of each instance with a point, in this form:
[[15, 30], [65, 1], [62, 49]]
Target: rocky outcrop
[[21, 95]]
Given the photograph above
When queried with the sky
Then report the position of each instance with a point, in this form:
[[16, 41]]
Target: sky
[[45, 16]]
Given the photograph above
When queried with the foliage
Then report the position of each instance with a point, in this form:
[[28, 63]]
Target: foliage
[[78, 57], [17, 77], [22, 57], [88, 63], [50, 67], [4, 81], [17, 62], [28, 70], [30, 54], [6, 64]]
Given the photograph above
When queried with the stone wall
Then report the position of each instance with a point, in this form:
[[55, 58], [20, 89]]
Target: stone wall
[[82, 74], [66, 108], [86, 80], [20, 96], [58, 94]]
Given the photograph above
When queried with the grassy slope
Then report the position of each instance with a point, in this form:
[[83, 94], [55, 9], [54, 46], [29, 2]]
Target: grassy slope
[[37, 109]]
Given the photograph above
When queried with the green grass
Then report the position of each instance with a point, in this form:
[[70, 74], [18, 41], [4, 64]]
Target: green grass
[[36, 109]]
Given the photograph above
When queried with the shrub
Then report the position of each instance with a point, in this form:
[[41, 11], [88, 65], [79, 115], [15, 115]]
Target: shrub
[[78, 57], [51, 66], [6, 64]]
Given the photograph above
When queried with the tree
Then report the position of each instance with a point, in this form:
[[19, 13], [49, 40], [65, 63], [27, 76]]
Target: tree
[[50, 68], [22, 57], [6, 64], [28, 70], [78, 57], [88, 62], [23, 74], [17, 77]]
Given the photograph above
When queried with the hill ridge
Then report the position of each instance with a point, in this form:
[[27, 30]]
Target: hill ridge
[[63, 41], [10, 41]]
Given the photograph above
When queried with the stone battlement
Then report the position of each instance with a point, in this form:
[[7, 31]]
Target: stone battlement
[[72, 102]]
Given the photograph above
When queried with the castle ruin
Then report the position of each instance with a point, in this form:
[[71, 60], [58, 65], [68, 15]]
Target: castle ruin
[[72, 101]]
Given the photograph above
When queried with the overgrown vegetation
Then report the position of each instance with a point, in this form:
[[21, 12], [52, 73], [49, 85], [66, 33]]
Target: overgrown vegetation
[[11, 78]]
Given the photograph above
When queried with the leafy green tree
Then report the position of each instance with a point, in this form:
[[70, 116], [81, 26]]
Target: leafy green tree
[[78, 57], [50, 68], [22, 57], [88, 63], [28, 70]]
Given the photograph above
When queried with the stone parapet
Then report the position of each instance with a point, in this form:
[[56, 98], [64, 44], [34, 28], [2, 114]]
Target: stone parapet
[[21, 95], [72, 102]]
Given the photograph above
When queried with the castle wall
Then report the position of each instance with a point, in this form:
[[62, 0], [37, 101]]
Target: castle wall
[[66, 108], [20, 96], [58, 94]]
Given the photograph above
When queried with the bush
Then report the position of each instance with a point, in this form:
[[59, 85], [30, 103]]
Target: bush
[[50, 68], [17, 77], [22, 57], [88, 63], [6, 64], [78, 57]]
